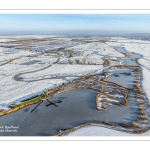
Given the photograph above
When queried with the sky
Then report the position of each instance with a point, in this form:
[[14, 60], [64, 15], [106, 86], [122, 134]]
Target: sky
[[74, 23]]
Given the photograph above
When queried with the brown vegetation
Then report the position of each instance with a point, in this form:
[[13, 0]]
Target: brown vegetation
[[103, 79], [142, 118], [130, 126], [137, 89], [109, 124], [141, 104], [69, 61], [106, 62], [141, 113], [77, 61], [125, 99]]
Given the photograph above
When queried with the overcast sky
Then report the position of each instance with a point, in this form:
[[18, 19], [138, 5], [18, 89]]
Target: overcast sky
[[74, 23]]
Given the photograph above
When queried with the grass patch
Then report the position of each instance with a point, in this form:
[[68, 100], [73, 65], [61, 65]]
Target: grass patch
[[26, 103]]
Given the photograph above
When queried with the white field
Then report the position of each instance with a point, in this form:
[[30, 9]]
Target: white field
[[137, 46], [146, 81], [12, 90], [92, 52], [95, 59], [62, 70], [95, 47], [16, 63], [95, 130], [145, 62]]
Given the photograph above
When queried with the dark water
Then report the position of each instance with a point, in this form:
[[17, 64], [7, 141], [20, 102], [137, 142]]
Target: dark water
[[70, 109]]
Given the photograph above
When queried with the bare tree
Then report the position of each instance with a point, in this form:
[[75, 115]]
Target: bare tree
[[77, 61]]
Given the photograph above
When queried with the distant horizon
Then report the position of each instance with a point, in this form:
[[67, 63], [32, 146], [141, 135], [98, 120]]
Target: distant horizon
[[77, 34], [74, 23]]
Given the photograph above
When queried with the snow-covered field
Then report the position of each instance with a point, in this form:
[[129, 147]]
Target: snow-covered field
[[145, 62], [97, 48], [40, 66], [95, 130], [146, 81], [136, 46], [62, 70], [30, 65]]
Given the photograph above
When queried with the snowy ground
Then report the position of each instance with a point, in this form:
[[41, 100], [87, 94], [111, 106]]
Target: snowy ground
[[33, 58], [136, 46], [39, 58], [146, 81], [145, 62], [62, 70], [95, 130]]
